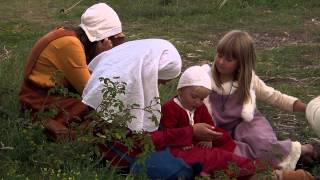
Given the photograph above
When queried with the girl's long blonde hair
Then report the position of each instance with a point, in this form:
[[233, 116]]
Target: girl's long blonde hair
[[238, 45]]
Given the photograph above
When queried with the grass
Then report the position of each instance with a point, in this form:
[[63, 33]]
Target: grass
[[287, 40]]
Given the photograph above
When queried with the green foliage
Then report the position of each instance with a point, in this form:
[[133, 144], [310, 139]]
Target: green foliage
[[263, 171], [28, 154], [113, 115], [59, 87], [58, 160]]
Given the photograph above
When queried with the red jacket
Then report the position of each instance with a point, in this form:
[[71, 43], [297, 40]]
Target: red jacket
[[173, 116]]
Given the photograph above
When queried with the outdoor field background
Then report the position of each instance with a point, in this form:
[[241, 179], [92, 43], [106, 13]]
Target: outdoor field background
[[287, 40]]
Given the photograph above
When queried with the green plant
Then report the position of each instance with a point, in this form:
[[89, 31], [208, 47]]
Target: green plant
[[263, 171], [112, 116]]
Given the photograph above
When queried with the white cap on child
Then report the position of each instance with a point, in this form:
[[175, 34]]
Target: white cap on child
[[313, 114], [195, 76]]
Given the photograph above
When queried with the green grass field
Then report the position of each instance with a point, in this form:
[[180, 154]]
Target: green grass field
[[286, 32]]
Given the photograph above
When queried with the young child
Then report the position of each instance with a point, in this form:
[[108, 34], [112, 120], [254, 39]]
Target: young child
[[232, 103], [187, 108]]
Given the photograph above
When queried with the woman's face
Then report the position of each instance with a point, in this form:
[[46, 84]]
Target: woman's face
[[103, 45], [117, 39], [109, 42], [226, 66]]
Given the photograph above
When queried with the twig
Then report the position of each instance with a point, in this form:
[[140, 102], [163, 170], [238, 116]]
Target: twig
[[38, 162], [4, 147], [222, 3], [285, 126], [315, 139], [310, 80], [65, 11], [5, 55], [5, 50], [273, 79]]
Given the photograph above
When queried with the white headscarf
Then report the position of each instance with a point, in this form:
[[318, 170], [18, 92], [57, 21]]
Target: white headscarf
[[140, 64], [313, 114], [100, 21]]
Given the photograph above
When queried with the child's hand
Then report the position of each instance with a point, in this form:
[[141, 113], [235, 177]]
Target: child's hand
[[205, 144], [205, 132], [186, 148]]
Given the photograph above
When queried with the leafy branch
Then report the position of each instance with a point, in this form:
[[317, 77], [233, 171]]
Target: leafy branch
[[113, 115]]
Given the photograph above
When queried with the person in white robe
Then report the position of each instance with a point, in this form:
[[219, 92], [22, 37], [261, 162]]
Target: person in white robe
[[141, 64]]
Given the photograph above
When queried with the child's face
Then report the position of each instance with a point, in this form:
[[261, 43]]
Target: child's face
[[226, 66], [190, 98]]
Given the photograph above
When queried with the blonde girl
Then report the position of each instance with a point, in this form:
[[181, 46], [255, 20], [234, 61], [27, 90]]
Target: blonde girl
[[232, 103]]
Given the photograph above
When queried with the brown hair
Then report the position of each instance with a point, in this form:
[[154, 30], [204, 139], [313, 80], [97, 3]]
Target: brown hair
[[238, 45], [90, 47]]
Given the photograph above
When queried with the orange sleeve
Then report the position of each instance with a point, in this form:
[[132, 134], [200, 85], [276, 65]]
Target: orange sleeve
[[73, 63]]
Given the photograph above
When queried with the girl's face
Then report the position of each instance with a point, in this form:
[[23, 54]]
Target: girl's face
[[189, 98], [226, 66]]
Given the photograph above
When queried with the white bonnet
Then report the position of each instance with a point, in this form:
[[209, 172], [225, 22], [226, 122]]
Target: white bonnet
[[313, 114], [100, 21], [195, 76]]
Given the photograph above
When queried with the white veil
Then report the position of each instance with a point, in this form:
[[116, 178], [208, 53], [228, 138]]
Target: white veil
[[139, 64]]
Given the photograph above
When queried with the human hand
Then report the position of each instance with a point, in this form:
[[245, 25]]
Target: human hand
[[103, 45], [299, 106], [186, 148], [205, 144], [205, 132]]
